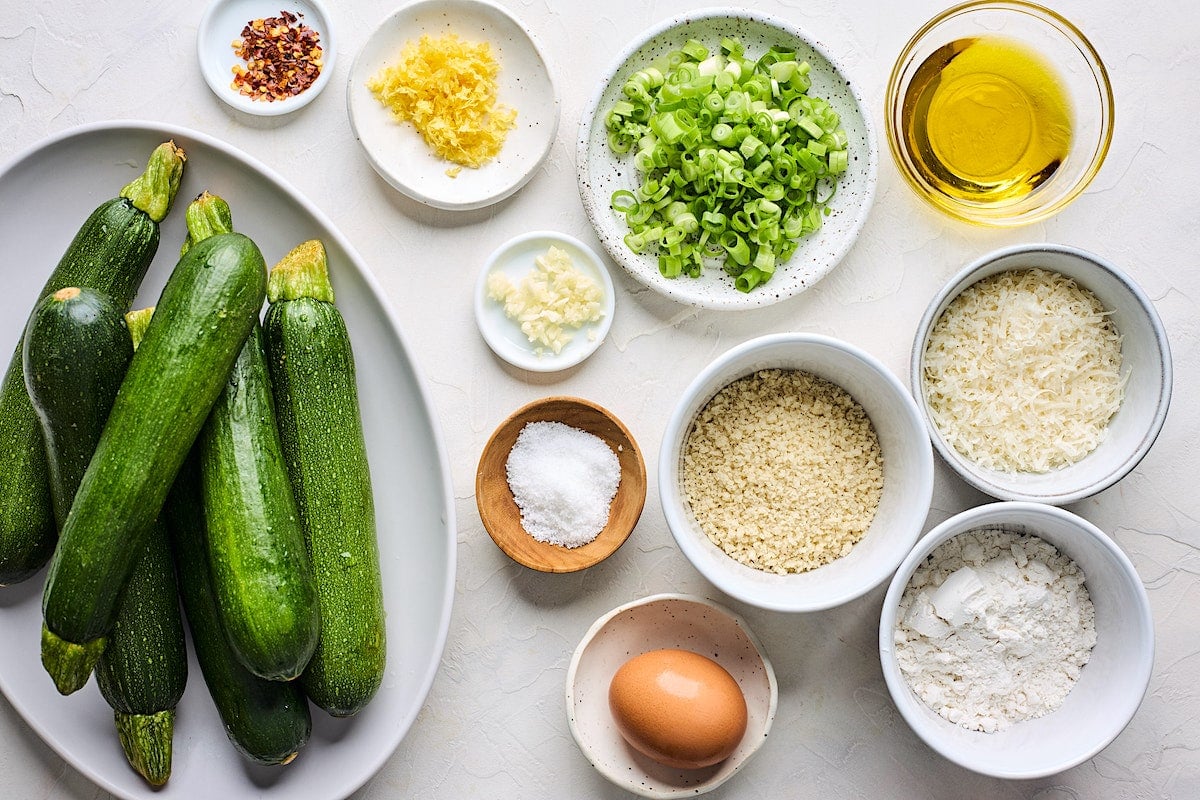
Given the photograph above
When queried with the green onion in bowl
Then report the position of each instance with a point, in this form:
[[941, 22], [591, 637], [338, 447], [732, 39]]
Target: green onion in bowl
[[736, 160]]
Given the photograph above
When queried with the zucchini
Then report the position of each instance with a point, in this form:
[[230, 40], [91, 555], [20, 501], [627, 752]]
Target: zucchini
[[316, 399], [202, 319], [76, 351], [267, 721], [260, 568], [111, 253], [143, 670]]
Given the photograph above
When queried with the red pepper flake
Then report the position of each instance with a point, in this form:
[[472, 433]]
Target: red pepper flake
[[282, 58]]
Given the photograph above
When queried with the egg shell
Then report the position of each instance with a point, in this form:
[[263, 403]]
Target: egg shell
[[678, 708]]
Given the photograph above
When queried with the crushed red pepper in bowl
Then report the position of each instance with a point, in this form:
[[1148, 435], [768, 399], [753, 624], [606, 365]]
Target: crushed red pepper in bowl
[[282, 56]]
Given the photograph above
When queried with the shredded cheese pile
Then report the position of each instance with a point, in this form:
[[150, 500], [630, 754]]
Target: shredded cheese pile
[[550, 301], [1023, 372], [446, 87]]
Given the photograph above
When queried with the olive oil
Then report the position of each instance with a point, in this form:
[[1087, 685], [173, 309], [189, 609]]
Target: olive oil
[[986, 120]]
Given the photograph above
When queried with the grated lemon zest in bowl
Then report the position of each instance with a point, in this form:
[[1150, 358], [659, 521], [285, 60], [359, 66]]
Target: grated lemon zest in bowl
[[446, 86]]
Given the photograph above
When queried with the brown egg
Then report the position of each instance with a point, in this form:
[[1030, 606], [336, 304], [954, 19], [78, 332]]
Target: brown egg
[[677, 707]]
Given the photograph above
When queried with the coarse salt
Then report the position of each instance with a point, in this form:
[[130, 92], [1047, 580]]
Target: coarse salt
[[563, 480]]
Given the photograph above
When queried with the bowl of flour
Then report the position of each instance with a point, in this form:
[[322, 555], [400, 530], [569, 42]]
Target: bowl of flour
[[1016, 639]]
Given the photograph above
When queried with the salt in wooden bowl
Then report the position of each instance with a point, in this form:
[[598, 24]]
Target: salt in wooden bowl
[[502, 517]]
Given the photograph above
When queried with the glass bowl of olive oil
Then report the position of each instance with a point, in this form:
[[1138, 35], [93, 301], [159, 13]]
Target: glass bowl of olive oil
[[999, 113]]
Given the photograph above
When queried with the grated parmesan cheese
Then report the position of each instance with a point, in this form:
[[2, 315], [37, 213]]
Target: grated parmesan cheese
[[550, 301], [1023, 372], [447, 88]]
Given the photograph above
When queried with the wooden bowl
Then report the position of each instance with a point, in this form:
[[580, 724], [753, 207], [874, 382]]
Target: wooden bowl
[[502, 517]]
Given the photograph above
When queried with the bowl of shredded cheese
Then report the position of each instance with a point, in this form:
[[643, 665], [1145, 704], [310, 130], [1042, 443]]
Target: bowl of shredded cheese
[[1016, 639], [795, 472], [453, 103], [1044, 373]]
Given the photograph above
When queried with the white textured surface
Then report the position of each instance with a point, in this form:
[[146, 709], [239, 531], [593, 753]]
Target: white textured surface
[[494, 724]]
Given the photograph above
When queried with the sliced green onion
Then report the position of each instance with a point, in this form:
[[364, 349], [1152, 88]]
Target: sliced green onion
[[736, 161]]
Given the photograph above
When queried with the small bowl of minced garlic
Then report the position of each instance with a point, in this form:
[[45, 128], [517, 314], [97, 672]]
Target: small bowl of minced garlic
[[544, 301]]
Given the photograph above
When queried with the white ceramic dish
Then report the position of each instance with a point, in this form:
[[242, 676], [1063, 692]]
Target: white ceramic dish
[[1111, 685], [71, 173], [515, 258], [222, 25], [601, 172], [1146, 355], [398, 152], [652, 623], [907, 474]]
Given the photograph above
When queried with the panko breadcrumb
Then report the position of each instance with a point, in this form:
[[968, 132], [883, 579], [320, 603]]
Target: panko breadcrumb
[[783, 471]]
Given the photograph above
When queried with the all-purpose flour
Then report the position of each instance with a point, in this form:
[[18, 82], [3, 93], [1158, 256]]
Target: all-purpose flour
[[994, 628]]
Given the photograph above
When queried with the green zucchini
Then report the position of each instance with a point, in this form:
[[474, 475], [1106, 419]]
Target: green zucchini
[[316, 399], [260, 568], [143, 670], [111, 253], [76, 351], [261, 571], [202, 319], [267, 721]]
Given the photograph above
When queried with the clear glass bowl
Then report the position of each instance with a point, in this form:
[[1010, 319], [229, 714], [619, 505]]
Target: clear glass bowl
[[1075, 63]]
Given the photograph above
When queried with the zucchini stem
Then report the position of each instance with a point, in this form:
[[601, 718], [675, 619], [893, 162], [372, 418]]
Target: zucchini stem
[[154, 190], [146, 740], [137, 322], [304, 272], [206, 216], [69, 664]]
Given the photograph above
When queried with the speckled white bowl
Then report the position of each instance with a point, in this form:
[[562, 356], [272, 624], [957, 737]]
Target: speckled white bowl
[[1111, 685], [907, 474], [601, 172], [1146, 355], [652, 623]]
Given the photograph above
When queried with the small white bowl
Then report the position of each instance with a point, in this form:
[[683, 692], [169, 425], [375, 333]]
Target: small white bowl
[[399, 153], [601, 172], [222, 25], [652, 623], [1146, 355], [907, 474], [1111, 685], [515, 258]]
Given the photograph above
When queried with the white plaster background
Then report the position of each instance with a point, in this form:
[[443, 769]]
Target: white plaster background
[[494, 723]]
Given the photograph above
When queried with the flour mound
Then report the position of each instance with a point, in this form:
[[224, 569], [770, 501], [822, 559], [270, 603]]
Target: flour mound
[[994, 629]]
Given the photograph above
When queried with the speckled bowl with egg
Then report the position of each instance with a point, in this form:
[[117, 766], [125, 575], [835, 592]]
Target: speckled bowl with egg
[[1111, 684], [652, 623]]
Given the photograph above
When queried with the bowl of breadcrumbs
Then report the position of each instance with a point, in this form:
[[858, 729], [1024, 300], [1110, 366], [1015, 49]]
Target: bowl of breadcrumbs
[[796, 472]]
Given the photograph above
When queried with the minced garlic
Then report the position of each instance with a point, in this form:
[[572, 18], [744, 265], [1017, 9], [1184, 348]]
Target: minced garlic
[[447, 88], [551, 301]]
